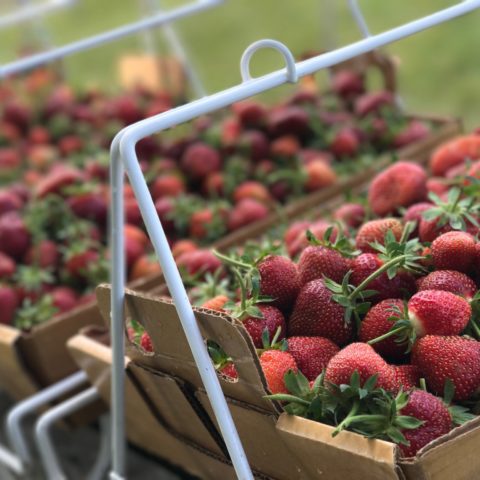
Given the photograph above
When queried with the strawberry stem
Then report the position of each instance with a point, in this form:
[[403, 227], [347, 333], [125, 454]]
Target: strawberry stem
[[231, 261], [390, 333], [376, 274], [345, 422], [243, 289], [423, 384]]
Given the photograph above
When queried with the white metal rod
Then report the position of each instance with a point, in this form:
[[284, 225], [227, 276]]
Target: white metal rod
[[359, 18], [123, 156], [11, 461], [25, 64], [32, 11], [43, 439], [16, 416]]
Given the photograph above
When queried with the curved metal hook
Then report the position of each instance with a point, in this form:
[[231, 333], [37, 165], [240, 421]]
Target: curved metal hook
[[292, 75]]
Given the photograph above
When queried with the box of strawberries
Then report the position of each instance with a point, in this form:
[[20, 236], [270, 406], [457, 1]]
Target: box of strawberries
[[349, 345]]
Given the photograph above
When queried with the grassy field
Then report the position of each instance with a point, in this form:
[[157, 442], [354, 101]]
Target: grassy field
[[438, 69]]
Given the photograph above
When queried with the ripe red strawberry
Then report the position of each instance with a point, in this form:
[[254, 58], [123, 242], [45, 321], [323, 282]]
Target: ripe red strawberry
[[137, 234], [319, 175], [351, 214], [145, 265], [252, 189], [57, 179], [69, 145], [8, 304], [199, 160], [456, 358], [64, 298], [90, 205], [316, 314], [345, 143], [272, 320], [14, 236], [229, 371], [216, 303], [17, 113], [45, 254], [198, 262], [165, 208], [407, 376], [245, 212], [414, 131], [437, 186], [319, 261], [435, 415], [214, 185], [146, 342], [183, 246], [294, 230], [78, 263], [285, 147], [132, 211], [454, 251], [429, 230], [401, 286], [312, 354], [275, 364], [133, 251], [318, 229], [400, 185], [376, 323], [254, 143], [7, 266], [449, 281], [454, 152], [290, 120], [437, 312], [168, 185], [348, 83], [250, 113], [201, 223], [10, 159], [9, 202], [279, 280], [362, 358], [374, 231], [372, 102], [414, 214]]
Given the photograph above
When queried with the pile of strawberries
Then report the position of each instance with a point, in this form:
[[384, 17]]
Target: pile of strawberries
[[369, 320], [222, 174]]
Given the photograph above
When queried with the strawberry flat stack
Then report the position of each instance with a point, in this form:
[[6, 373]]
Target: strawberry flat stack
[[367, 320]]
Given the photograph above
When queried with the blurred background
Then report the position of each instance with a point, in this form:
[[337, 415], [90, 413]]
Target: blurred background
[[438, 69]]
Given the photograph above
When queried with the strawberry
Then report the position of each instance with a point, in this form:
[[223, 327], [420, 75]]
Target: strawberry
[[279, 280], [285, 146], [69, 145], [9, 202], [449, 281], [437, 186], [200, 160], [254, 143], [250, 113], [318, 261], [454, 152], [252, 189], [146, 342], [316, 314], [311, 354], [90, 205], [345, 143], [10, 159], [374, 231], [202, 223], [214, 185], [275, 364], [407, 376], [221, 361], [132, 211], [216, 303], [269, 318], [400, 185], [17, 114], [318, 175], [380, 320], [414, 214], [295, 229], [290, 120], [165, 208], [454, 251], [229, 371], [318, 229], [56, 180], [351, 214], [64, 298], [9, 302], [137, 234], [14, 236], [455, 358], [183, 246], [398, 287], [7, 266], [144, 266], [436, 418], [362, 358], [414, 131], [168, 185], [77, 264], [198, 262], [45, 254], [347, 83], [245, 212], [372, 102]]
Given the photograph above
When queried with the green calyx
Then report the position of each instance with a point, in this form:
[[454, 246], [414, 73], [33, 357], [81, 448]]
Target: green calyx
[[210, 287], [341, 244], [219, 358], [274, 343], [31, 314], [364, 409]]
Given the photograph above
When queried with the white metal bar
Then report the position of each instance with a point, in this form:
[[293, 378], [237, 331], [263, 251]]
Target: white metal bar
[[359, 18], [123, 156], [32, 12], [44, 442], [11, 461], [44, 58]]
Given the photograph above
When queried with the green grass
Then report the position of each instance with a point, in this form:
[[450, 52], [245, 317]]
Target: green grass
[[439, 70]]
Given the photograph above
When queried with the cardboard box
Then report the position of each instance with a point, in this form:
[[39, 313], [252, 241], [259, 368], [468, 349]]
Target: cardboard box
[[277, 445]]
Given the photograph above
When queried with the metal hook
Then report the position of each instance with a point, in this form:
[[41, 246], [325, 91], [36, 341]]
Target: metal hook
[[292, 75], [359, 18]]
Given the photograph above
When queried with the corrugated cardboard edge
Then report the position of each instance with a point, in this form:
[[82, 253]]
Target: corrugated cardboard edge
[[347, 455]]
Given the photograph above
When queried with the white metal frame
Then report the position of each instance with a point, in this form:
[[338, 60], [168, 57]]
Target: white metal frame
[[124, 160]]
